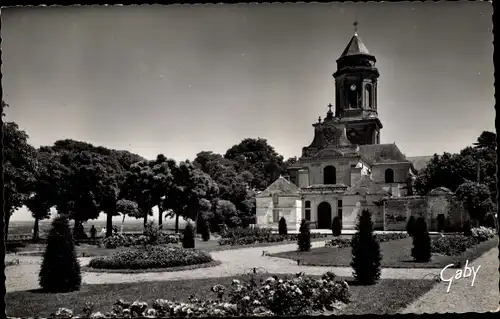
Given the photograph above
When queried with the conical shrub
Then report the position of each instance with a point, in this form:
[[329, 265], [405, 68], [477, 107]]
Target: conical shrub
[[336, 226], [60, 269], [467, 228], [205, 230], [282, 228], [366, 256], [421, 250], [188, 236], [304, 237], [410, 226]]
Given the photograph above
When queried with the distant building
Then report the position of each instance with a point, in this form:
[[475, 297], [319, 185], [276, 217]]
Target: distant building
[[345, 168]]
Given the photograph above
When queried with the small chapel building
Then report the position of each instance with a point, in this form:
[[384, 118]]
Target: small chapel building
[[345, 168]]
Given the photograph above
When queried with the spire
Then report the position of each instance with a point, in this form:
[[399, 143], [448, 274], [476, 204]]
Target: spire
[[355, 24], [355, 46]]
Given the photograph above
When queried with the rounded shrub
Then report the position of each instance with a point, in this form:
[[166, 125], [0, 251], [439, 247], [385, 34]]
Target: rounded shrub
[[188, 236], [336, 226], [410, 226], [60, 269], [151, 257], [366, 256], [421, 250], [282, 229], [304, 237]]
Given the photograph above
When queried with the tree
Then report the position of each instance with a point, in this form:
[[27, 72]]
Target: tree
[[282, 229], [188, 236], [486, 139], [366, 256], [60, 269], [127, 208], [410, 226], [476, 199], [490, 221], [467, 228], [304, 238], [19, 169], [224, 210], [421, 250], [336, 226], [161, 183]]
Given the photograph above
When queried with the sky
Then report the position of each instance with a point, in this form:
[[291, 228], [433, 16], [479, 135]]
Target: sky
[[182, 79]]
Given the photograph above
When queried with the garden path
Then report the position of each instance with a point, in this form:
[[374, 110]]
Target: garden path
[[234, 262], [462, 297]]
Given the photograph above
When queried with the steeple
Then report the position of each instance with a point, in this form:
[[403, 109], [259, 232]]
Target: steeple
[[355, 45]]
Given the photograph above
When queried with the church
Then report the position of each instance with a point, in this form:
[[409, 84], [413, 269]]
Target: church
[[345, 168]]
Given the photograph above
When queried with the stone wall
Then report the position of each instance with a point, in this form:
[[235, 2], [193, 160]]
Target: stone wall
[[397, 211], [289, 207], [354, 204]]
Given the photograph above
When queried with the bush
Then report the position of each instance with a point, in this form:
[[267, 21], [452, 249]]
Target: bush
[[282, 229], [241, 236], [366, 255], [467, 228], [188, 236], [452, 245], [339, 243], [128, 240], [205, 230], [483, 234], [346, 242], [60, 270], [273, 296], [421, 250], [151, 257], [336, 226], [410, 226], [304, 238]]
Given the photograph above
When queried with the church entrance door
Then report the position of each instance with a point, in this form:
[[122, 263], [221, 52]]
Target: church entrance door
[[324, 216]]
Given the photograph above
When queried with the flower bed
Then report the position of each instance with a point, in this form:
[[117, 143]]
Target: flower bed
[[456, 244], [274, 296], [248, 236], [346, 242], [128, 240], [152, 257]]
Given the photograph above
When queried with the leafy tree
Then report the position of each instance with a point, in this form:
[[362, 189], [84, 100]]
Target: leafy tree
[[282, 229], [304, 237], [19, 170], [336, 226], [421, 250], [487, 139], [161, 183], [224, 211], [366, 256], [410, 226], [127, 208], [188, 236], [60, 269], [476, 199]]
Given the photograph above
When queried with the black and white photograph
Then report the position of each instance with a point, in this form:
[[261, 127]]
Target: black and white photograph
[[264, 159]]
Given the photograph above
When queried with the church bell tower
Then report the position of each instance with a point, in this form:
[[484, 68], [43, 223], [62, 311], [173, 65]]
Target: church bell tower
[[356, 92]]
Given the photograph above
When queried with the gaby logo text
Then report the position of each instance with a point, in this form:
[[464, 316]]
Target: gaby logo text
[[465, 273]]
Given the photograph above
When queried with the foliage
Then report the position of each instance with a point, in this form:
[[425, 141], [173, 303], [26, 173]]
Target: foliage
[[205, 230], [304, 238], [452, 245], [248, 236], [346, 242], [188, 236], [483, 233], [476, 199], [421, 250], [60, 269], [410, 226], [273, 296], [491, 221], [152, 233], [337, 226], [128, 240], [282, 228], [151, 257], [366, 256], [467, 228]]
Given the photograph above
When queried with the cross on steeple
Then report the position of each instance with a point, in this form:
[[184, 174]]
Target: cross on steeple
[[355, 24], [329, 107]]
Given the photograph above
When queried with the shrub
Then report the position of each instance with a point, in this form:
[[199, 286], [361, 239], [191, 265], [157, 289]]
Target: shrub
[[337, 226], [339, 243], [421, 250], [273, 296], [151, 257], [467, 228], [128, 240], [60, 269], [452, 245], [152, 233], [346, 242], [482, 233], [410, 226], [241, 236], [366, 255], [188, 236], [205, 230], [304, 238], [282, 229]]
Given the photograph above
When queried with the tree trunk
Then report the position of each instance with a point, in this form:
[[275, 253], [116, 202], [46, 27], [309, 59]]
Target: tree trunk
[[145, 219], [160, 220], [109, 224], [176, 223], [35, 230], [7, 220]]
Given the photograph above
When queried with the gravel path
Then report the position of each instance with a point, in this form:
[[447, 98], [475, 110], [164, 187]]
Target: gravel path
[[462, 297], [234, 262]]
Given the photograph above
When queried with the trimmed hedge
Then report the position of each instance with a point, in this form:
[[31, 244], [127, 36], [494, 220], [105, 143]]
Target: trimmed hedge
[[152, 257], [346, 242], [455, 245], [249, 236], [128, 240]]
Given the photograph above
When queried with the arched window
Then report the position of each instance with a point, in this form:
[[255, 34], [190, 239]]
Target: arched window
[[307, 210], [389, 175], [369, 96], [352, 96], [329, 175]]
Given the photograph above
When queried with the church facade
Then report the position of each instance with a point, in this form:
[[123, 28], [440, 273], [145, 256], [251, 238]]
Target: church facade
[[345, 168]]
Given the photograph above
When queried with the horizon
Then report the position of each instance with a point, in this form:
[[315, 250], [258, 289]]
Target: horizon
[[124, 78]]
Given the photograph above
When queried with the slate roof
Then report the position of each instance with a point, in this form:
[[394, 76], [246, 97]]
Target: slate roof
[[366, 186], [382, 153], [355, 47], [282, 187], [419, 162]]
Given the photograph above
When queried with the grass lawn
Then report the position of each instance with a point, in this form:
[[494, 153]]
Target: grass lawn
[[395, 254], [388, 296]]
